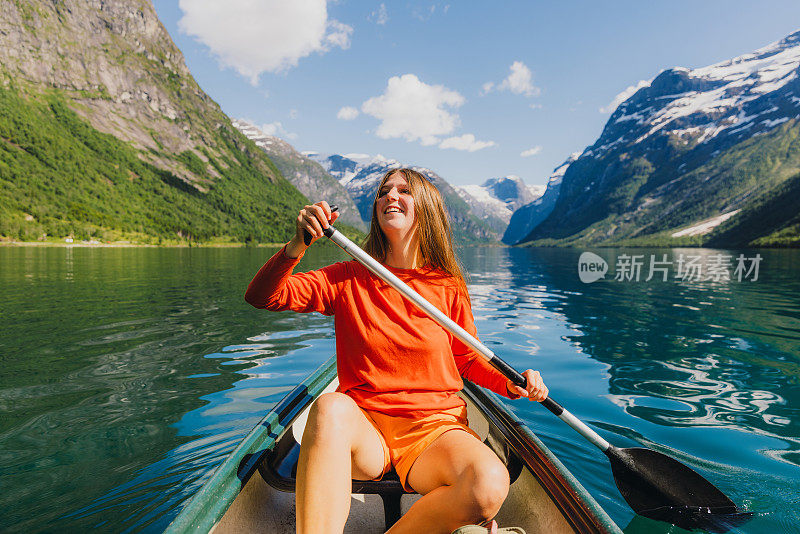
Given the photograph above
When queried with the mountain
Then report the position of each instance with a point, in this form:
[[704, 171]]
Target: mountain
[[306, 175], [497, 198], [525, 218], [361, 173], [772, 219], [691, 147], [105, 134]]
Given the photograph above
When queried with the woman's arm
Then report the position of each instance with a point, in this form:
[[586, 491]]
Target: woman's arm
[[475, 368], [275, 288]]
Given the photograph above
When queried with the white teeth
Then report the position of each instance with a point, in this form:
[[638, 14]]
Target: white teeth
[[392, 210]]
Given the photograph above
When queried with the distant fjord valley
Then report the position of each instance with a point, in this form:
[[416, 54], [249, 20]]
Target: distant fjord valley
[[107, 137]]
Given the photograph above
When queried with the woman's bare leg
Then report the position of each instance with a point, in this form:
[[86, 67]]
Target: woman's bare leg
[[462, 482], [339, 444]]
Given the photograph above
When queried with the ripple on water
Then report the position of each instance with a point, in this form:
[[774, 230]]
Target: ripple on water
[[120, 400]]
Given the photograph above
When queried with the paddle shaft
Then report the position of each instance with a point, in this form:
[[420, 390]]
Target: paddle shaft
[[434, 313]]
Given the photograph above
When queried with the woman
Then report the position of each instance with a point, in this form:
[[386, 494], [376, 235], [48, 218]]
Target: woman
[[397, 404]]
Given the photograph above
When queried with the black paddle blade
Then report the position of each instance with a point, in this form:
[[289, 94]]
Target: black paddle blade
[[707, 523], [662, 488]]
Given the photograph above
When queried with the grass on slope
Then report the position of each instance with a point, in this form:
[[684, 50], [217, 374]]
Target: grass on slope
[[773, 219], [750, 175], [61, 177]]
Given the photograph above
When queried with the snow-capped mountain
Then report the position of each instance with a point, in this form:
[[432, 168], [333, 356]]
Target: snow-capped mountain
[[732, 99], [360, 174], [526, 217], [692, 145], [345, 167], [303, 173], [497, 198]]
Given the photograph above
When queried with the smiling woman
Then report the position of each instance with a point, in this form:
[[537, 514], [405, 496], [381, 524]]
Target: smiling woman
[[394, 210], [397, 405], [394, 214]]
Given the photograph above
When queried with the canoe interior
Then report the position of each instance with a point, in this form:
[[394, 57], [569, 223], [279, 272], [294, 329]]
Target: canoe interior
[[543, 496]]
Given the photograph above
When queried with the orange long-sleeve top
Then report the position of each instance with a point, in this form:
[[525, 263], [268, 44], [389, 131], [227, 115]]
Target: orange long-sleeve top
[[390, 356]]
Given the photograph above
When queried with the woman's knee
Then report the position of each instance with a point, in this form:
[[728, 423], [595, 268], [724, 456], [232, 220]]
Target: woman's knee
[[488, 485], [331, 415]]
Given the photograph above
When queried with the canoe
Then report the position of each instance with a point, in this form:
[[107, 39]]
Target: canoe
[[252, 490]]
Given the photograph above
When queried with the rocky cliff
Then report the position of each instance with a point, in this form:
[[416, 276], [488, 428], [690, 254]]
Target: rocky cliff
[[112, 66], [528, 216], [306, 175]]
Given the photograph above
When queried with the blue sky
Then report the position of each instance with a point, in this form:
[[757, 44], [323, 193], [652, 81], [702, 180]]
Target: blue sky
[[472, 90]]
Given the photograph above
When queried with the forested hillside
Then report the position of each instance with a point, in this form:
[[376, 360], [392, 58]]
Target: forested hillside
[[105, 134]]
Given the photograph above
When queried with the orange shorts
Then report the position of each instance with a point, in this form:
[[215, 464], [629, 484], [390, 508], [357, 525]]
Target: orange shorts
[[404, 438]]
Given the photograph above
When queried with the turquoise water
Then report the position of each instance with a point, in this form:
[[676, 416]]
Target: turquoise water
[[128, 374]]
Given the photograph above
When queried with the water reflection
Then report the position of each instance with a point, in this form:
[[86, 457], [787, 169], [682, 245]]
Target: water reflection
[[128, 375], [686, 343], [715, 354], [110, 416]]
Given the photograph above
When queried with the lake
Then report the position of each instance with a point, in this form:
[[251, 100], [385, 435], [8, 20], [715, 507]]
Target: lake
[[129, 373]]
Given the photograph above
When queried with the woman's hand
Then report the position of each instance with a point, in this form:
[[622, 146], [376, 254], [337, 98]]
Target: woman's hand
[[535, 391], [312, 219]]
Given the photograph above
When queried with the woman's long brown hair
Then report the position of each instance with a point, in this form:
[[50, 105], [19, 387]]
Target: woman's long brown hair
[[433, 226]]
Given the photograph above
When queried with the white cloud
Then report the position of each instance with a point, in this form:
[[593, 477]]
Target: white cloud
[[531, 151], [347, 113], [413, 110], [338, 35], [465, 142], [423, 14], [380, 15], [265, 36], [520, 81], [276, 129], [536, 106], [623, 96]]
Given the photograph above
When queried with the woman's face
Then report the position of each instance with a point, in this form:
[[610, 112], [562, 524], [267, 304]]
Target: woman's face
[[395, 206]]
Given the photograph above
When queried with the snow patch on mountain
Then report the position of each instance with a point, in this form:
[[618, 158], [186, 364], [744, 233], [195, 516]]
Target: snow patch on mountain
[[558, 173], [710, 101], [705, 227], [499, 197], [254, 133]]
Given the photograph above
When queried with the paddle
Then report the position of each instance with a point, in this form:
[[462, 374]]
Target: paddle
[[653, 484]]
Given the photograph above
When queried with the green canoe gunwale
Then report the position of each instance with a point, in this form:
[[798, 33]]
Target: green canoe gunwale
[[578, 506], [211, 502], [216, 495]]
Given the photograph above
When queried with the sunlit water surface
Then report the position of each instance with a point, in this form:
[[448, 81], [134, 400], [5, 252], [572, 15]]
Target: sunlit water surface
[[128, 374]]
